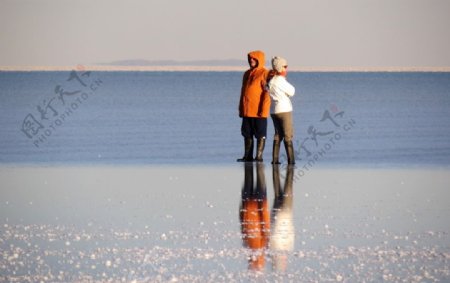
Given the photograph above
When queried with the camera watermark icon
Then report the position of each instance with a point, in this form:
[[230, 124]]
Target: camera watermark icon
[[320, 139], [52, 113]]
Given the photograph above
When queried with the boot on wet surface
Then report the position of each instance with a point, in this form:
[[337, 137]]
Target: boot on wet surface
[[260, 149], [248, 151]]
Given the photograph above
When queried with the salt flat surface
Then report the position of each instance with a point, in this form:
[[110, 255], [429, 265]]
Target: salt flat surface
[[186, 224]]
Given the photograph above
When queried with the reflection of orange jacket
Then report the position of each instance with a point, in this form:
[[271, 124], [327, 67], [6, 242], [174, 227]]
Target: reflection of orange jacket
[[255, 100], [255, 220]]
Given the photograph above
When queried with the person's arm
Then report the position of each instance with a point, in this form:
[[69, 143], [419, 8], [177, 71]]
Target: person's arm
[[287, 88], [264, 102], [264, 105], [241, 105]]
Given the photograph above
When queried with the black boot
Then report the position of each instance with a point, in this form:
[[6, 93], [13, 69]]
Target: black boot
[[248, 151], [289, 151], [260, 149], [276, 152]]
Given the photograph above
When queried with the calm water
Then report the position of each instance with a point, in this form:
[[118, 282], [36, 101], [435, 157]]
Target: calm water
[[77, 223], [341, 119]]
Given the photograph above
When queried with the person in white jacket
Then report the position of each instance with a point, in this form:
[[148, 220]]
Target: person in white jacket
[[280, 91]]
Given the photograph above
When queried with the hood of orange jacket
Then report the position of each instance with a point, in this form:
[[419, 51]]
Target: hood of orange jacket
[[255, 100], [258, 56]]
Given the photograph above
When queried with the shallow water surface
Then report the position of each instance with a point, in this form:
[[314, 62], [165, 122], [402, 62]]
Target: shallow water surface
[[184, 118], [251, 222]]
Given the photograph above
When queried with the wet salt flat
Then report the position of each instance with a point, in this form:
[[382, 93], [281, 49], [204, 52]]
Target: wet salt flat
[[234, 223]]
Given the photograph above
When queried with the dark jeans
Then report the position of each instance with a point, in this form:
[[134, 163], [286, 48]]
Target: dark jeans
[[254, 127]]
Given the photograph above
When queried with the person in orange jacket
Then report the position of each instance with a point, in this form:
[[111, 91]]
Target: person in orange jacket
[[254, 216], [254, 106]]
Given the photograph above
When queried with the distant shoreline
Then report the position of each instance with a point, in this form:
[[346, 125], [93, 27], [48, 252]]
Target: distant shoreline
[[216, 69]]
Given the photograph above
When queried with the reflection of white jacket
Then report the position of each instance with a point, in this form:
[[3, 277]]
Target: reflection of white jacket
[[282, 236], [280, 90]]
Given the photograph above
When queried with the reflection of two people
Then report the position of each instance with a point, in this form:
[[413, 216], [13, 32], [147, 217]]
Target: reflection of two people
[[255, 217]]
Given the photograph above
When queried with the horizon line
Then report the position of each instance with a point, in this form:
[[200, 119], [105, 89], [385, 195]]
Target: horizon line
[[81, 67]]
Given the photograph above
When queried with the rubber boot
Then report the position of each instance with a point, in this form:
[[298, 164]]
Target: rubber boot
[[289, 146], [276, 152], [260, 149], [248, 150]]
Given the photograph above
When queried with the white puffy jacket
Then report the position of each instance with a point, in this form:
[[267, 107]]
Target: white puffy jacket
[[280, 91]]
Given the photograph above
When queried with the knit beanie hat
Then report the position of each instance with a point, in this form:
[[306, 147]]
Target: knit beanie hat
[[278, 63]]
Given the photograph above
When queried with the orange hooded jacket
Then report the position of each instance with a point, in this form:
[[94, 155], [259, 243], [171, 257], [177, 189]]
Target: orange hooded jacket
[[255, 100]]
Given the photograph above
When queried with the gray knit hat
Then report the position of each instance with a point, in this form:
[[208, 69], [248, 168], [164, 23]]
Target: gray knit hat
[[278, 63]]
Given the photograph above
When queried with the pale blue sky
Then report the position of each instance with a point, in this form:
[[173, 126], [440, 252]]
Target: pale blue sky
[[316, 33]]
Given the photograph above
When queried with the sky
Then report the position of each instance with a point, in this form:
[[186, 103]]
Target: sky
[[308, 33]]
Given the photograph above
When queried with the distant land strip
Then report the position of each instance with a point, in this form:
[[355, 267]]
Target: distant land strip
[[179, 68]]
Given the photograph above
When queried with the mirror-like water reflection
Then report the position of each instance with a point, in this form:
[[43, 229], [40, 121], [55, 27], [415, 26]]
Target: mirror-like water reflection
[[282, 236], [254, 215], [147, 224], [261, 228]]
